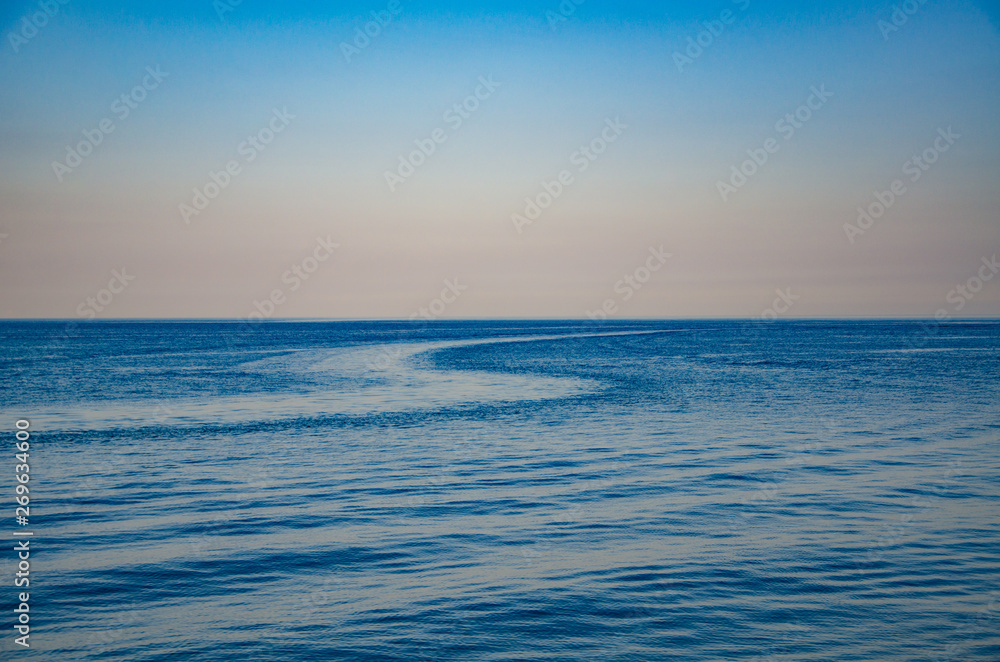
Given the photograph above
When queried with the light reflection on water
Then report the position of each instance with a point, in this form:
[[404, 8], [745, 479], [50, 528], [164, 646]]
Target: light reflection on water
[[366, 380]]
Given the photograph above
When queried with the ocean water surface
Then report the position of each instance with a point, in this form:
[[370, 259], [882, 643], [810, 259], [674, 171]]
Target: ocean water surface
[[477, 491]]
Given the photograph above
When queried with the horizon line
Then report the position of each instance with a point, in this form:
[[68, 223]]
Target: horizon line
[[500, 319]]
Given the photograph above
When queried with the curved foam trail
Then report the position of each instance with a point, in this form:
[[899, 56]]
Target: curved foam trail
[[365, 380]]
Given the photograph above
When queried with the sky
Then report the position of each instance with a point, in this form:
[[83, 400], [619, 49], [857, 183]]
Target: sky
[[442, 160]]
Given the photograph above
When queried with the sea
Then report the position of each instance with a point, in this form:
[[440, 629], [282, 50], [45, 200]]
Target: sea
[[504, 491]]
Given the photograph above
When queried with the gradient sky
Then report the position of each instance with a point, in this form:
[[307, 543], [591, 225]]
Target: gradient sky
[[655, 185]]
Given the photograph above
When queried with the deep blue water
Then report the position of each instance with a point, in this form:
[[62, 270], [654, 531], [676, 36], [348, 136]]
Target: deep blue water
[[508, 491]]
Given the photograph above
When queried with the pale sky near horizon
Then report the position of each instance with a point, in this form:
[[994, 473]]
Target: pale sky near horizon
[[310, 115]]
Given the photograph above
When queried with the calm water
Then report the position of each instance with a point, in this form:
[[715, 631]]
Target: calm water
[[509, 491]]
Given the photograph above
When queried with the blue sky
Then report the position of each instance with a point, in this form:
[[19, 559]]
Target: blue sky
[[558, 82]]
